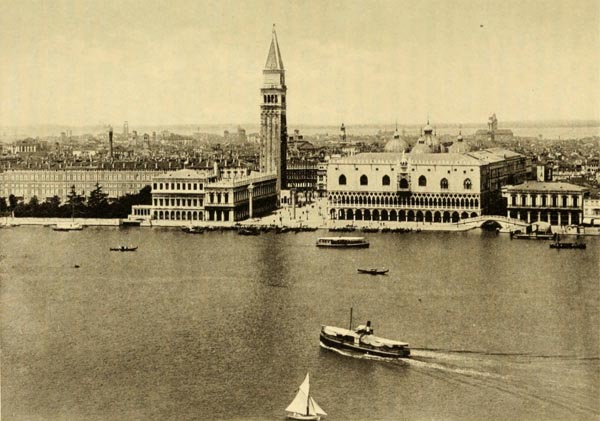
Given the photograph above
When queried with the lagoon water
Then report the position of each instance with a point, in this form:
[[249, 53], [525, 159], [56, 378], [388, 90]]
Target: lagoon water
[[220, 326]]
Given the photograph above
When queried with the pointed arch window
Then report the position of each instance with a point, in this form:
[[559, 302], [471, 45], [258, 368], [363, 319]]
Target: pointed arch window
[[342, 180], [364, 180], [467, 184], [385, 180], [444, 184], [422, 181], [404, 183]]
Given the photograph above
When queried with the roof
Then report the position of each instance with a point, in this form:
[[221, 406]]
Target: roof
[[187, 173], [494, 154], [422, 158], [274, 61], [546, 187]]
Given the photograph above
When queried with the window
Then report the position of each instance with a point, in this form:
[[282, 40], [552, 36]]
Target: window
[[422, 181], [154, 186], [385, 180], [342, 180], [444, 184], [364, 181], [404, 183], [467, 184]]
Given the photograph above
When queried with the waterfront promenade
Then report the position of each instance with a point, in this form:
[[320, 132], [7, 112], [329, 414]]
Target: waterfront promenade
[[314, 215]]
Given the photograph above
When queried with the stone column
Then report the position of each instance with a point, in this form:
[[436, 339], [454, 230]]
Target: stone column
[[293, 200], [250, 199], [529, 217], [559, 219], [569, 217]]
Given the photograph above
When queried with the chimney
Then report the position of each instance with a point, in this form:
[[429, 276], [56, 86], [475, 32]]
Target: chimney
[[110, 142]]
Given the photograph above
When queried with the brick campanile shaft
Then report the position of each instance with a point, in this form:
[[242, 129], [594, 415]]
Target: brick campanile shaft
[[273, 124]]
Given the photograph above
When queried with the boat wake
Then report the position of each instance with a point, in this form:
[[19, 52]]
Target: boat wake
[[361, 356], [416, 361], [483, 371]]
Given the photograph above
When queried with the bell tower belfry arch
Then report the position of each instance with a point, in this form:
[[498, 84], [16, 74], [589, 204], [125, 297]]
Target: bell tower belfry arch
[[273, 123]]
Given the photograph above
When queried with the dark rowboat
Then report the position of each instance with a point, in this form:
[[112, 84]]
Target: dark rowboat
[[248, 231], [373, 271], [124, 248], [558, 245]]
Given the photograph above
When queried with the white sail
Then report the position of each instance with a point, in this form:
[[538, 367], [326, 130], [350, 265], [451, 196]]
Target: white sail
[[300, 402], [314, 407]]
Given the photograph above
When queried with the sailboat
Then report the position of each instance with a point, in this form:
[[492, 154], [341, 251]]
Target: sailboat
[[304, 407], [69, 225]]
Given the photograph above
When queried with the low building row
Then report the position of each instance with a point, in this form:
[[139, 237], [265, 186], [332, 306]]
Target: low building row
[[195, 196]]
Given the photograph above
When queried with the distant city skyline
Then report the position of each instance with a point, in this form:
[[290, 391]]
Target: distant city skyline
[[84, 63]]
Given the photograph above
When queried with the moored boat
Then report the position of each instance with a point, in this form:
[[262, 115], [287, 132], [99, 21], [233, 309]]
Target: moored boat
[[342, 242], [362, 340], [68, 226], [559, 245], [304, 407], [533, 236], [124, 248], [196, 229], [249, 231], [373, 271]]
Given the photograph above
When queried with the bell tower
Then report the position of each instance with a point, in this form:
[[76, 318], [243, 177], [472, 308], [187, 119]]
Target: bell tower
[[273, 124]]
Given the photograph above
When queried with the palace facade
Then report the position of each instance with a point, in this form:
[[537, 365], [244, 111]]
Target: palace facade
[[553, 202], [421, 186], [44, 184]]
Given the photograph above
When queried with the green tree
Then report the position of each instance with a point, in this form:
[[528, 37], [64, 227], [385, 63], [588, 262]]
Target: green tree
[[75, 203], [74, 198], [12, 202], [121, 207], [51, 207], [53, 202], [97, 202]]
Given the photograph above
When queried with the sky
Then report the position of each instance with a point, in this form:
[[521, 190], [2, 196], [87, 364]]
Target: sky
[[359, 62]]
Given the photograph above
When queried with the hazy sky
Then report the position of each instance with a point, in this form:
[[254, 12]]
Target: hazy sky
[[200, 62]]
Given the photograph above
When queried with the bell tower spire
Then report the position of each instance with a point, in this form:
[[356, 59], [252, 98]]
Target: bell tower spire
[[273, 123]]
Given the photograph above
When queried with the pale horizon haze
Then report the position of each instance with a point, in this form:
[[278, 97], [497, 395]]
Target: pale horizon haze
[[200, 62]]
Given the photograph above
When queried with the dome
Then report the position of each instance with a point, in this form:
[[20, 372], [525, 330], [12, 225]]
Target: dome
[[397, 144], [459, 146], [428, 128], [421, 147]]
